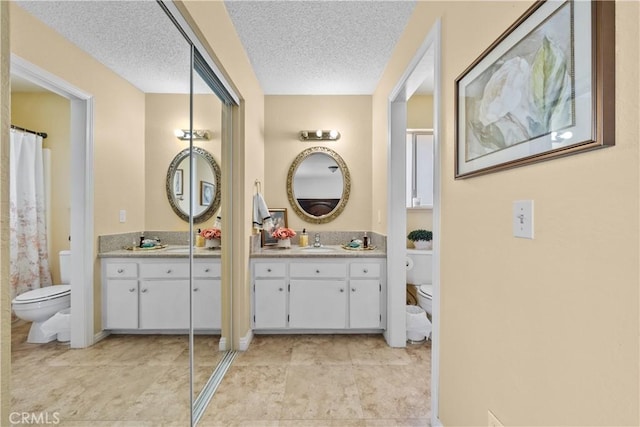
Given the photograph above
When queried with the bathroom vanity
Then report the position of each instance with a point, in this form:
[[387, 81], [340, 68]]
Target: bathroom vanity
[[149, 292], [299, 291]]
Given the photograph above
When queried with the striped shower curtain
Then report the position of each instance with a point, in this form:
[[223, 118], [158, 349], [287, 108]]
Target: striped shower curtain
[[29, 258]]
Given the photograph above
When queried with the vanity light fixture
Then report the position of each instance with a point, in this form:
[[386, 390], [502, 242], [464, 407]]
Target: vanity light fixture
[[198, 134], [319, 135]]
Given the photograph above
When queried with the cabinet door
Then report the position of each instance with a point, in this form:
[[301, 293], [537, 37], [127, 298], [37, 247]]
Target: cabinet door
[[206, 304], [270, 304], [164, 304], [364, 304], [320, 304], [121, 304]]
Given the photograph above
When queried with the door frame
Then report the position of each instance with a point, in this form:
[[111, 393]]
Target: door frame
[[82, 230], [397, 218]]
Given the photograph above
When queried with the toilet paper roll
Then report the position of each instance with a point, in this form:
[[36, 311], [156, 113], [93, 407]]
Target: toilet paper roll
[[409, 264]]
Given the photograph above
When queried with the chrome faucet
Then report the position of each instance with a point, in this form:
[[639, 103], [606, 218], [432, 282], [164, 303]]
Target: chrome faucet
[[316, 240]]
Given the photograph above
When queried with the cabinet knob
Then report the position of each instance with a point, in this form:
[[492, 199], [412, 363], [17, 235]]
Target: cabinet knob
[[268, 270], [195, 289], [365, 271], [280, 289], [353, 289], [144, 291], [341, 289], [169, 271], [317, 271], [120, 270], [206, 270], [132, 289]]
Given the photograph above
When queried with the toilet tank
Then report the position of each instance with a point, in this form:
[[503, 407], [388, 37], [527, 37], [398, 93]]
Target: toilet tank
[[65, 266], [419, 266]]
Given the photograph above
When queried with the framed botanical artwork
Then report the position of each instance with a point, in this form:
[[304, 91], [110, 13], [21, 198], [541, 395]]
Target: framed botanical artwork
[[544, 89], [207, 191], [278, 219], [178, 183]]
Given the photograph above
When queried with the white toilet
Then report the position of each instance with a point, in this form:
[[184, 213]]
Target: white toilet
[[419, 275], [38, 305]]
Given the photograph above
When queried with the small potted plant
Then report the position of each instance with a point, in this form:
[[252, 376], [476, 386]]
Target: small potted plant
[[421, 238], [284, 235], [212, 237]]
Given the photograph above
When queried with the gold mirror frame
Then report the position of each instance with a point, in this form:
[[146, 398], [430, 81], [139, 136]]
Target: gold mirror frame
[[346, 189], [173, 167]]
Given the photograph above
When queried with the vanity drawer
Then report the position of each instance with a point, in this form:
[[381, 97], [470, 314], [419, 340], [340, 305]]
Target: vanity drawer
[[270, 269], [318, 269], [122, 270], [164, 270], [206, 270], [365, 269]]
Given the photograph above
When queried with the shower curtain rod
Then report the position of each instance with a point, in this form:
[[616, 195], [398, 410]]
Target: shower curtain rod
[[42, 134]]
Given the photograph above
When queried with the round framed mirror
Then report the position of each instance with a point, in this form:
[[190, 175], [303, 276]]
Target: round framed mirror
[[318, 185], [207, 181]]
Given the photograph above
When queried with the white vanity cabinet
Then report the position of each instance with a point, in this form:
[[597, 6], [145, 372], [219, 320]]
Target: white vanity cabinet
[[307, 295], [120, 296], [270, 295], [152, 294]]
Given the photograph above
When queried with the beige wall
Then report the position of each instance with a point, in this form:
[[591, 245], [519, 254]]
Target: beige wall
[[118, 127], [164, 114], [51, 113], [419, 116], [543, 331], [5, 299], [248, 158], [285, 116]]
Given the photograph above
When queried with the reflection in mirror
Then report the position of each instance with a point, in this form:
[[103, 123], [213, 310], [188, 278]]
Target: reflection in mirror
[[318, 185], [206, 175]]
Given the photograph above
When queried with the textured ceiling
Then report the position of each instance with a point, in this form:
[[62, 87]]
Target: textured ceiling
[[319, 47], [295, 47]]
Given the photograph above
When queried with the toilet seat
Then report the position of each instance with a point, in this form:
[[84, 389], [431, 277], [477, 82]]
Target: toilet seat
[[426, 290], [42, 294]]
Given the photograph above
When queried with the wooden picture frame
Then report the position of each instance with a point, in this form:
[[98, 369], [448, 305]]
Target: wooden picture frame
[[207, 193], [544, 89], [178, 182], [279, 219]]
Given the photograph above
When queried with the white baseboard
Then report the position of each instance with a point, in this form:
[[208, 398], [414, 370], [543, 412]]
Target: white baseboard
[[245, 341], [222, 345], [100, 336]]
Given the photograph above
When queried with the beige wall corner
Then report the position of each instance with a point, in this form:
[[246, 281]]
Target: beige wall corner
[[5, 303], [543, 331], [216, 28]]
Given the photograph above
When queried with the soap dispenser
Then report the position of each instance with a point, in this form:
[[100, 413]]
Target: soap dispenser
[[199, 239], [304, 238], [365, 240]]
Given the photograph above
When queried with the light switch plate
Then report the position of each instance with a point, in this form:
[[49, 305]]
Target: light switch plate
[[123, 215], [523, 219]]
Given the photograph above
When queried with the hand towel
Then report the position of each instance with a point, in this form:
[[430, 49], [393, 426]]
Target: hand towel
[[261, 214]]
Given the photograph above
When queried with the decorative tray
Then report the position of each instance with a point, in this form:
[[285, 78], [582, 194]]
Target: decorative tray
[[153, 248], [349, 248]]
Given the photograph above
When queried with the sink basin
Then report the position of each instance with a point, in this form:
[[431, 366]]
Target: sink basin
[[321, 249], [177, 250]]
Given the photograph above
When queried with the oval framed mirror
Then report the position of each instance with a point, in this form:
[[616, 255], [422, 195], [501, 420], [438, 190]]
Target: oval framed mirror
[[318, 185], [207, 180]]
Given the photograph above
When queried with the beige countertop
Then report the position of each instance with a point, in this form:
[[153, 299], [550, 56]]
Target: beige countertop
[[328, 251], [171, 251]]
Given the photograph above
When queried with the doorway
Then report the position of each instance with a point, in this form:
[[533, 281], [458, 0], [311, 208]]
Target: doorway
[[411, 79], [81, 197]]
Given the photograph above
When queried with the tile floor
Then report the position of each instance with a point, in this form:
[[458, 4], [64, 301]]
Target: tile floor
[[282, 380]]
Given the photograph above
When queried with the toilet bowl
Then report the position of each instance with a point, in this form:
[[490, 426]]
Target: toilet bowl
[[419, 276], [38, 305]]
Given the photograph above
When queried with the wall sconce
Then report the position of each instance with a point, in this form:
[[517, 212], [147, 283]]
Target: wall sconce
[[319, 135], [198, 134]]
